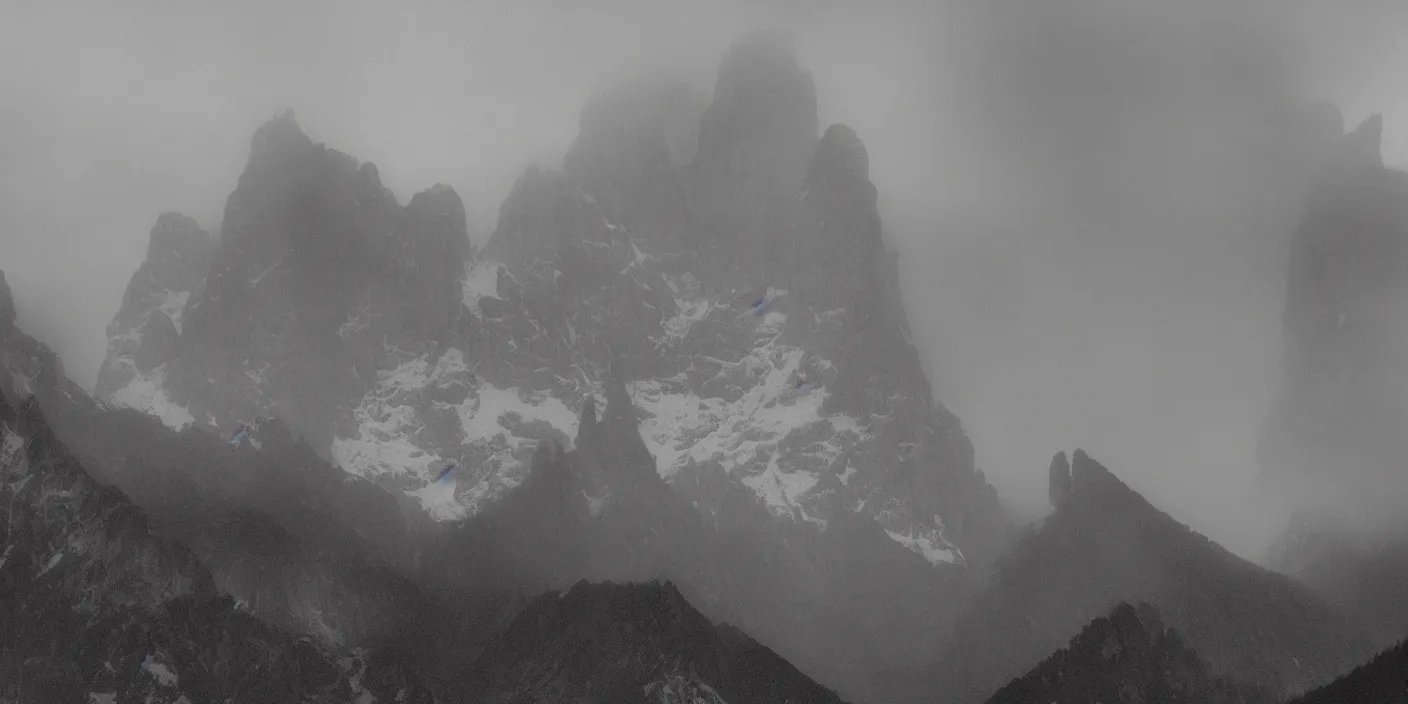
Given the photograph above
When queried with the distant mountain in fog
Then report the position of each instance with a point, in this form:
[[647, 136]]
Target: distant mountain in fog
[[1106, 544]]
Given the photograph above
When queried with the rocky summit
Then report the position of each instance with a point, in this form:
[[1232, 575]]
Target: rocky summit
[[732, 258], [710, 278]]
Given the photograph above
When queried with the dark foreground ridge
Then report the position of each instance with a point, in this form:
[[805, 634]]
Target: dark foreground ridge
[[1383, 680], [631, 643], [1127, 657], [97, 607]]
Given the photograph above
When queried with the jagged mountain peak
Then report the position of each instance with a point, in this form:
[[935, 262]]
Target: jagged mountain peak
[[760, 410], [637, 133], [762, 58], [545, 210], [439, 198], [277, 138], [1087, 474], [763, 88], [628, 104], [1059, 482], [178, 235], [840, 156]]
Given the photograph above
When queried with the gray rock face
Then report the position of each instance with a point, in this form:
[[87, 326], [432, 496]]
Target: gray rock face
[[318, 273], [376, 335], [1059, 488], [636, 137], [755, 140], [623, 286], [144, 333], [1334, 436]]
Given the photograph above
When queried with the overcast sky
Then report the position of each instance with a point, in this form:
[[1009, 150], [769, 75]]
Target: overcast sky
[[1140, 319]]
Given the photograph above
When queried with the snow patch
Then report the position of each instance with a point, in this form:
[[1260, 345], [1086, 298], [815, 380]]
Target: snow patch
[[925, 547], [145, 393], [488, 417], [498, 429], [743, 433], [483, 413], [384, 424], [684, 426], [781, 490], [594, 504], [355, 667], [174, 305], [163, 674], [675, 688], [480, 280], [53, 562], [108, 698], [438, 501]]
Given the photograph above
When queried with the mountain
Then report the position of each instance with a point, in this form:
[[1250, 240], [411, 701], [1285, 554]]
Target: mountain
[[148, 324], [796, 441], [1333, 444], [630, 643], [1383, 680], [1106, 544], [98, 607], [1127, 657], [374, 333]]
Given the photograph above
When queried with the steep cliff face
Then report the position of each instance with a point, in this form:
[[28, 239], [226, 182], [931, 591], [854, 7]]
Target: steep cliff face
[[1333, 444], [1106, 544], [755, 140], [1333, 439], [145, 331], [312, 246]]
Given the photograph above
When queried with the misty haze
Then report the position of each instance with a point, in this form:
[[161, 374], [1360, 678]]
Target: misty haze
[[627, 351]]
